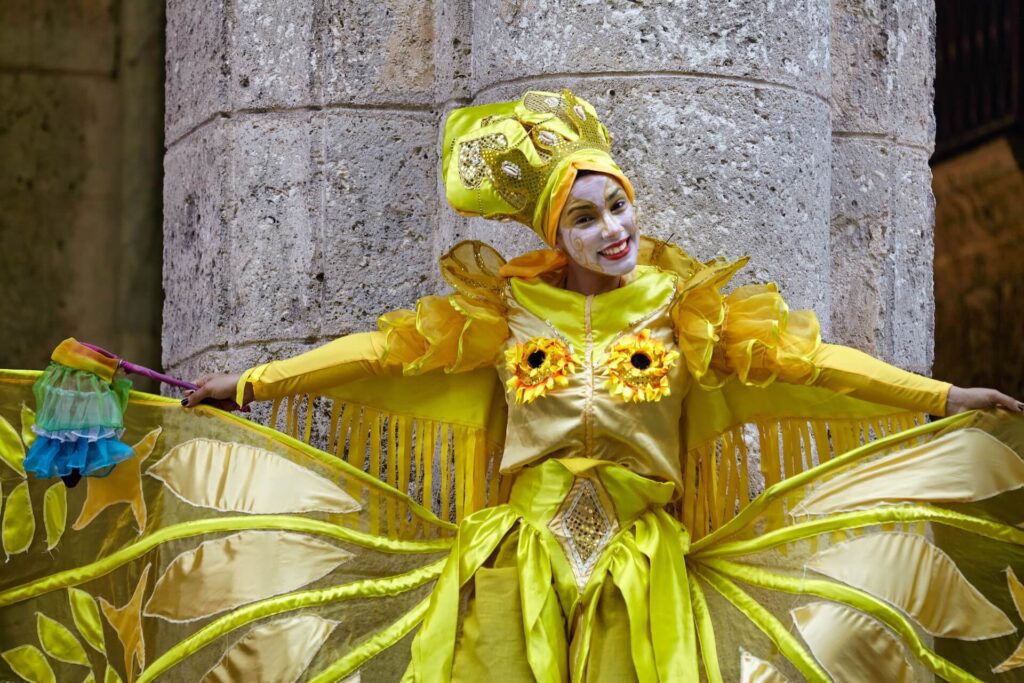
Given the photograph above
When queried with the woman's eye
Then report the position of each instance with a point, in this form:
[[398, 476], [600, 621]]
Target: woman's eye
[[581, 220], [619, 205]]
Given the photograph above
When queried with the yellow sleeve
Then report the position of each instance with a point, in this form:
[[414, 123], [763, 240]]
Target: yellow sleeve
[[456, 333], [341, 361], [851, 371]]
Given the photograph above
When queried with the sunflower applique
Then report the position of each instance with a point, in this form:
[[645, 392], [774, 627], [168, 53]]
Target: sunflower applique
[[638, 368], [537, 366]]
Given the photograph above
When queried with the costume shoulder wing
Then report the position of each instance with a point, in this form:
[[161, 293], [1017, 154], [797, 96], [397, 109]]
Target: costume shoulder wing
[[428, 417], [763, 382]]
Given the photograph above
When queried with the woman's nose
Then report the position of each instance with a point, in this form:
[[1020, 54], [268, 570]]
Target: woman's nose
[[610, 227]]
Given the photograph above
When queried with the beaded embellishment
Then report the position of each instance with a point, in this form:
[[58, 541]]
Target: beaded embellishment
[[472, 167], [583, 527]]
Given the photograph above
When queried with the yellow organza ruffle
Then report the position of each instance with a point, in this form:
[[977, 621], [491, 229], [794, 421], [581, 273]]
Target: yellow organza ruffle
[[762, 340], [459, 332], [750, 333]]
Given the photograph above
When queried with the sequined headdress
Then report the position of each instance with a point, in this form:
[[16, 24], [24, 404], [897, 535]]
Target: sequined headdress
[[517, 160]]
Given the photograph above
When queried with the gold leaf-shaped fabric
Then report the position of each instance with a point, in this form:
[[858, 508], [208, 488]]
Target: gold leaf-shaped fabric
[[852, 647], [19, 523], [59, 642], [238, 569], [756, 670], [86, 614], [239, 478], [275, 652], [1015, 660], [12, 451], [127, 623], [29, 663], [909, 572], [55, 513], [966, 465], [28, 418]]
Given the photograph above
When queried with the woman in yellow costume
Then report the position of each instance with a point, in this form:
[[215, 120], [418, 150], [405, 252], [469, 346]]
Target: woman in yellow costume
[[581, 421]]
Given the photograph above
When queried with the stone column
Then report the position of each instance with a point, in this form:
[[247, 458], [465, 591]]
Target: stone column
[[302, 191], [300, 171], [883, 132], [719, 112]]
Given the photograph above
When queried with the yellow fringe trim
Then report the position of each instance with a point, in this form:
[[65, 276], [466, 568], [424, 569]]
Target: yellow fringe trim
[[717, 481], [450, 469]]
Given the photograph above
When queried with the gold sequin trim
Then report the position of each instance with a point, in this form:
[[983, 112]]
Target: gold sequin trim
[[583, 527]]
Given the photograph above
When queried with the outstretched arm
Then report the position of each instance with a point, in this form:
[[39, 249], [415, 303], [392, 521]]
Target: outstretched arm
[[751, 334], [341, 361], [862, 376]]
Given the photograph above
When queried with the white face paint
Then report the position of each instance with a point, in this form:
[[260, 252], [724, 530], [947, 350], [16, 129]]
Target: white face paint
[[597, 228]]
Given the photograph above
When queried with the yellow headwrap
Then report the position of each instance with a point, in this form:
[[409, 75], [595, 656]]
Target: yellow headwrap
[[518, 160]]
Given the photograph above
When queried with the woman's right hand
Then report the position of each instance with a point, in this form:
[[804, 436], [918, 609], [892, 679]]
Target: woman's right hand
[[219, 386]]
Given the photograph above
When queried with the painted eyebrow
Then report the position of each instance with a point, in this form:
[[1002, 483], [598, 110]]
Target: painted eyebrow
[[614, 191], [578, 206]]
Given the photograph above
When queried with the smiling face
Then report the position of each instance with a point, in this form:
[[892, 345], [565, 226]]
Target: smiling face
[[597, 229]]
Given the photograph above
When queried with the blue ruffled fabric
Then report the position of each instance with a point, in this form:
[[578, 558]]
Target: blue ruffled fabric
[[79, 422], [52, 457]]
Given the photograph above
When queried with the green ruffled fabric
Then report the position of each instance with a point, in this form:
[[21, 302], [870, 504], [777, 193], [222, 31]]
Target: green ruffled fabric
[[74, 399]]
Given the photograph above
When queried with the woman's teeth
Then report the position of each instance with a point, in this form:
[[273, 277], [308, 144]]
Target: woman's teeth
[[617, 250]]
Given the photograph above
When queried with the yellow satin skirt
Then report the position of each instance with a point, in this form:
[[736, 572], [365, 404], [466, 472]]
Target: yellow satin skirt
[[896, 561], [580, 576]]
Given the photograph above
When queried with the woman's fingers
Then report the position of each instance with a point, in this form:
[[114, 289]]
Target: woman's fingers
[[192, 398], [210, 388], [1009, 403], [981, 398]]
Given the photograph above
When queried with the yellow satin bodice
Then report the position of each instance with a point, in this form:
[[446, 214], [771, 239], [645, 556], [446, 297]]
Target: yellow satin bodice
[[585, 416]]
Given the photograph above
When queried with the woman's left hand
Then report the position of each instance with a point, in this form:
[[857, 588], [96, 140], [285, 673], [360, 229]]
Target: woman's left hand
[[960, 400]]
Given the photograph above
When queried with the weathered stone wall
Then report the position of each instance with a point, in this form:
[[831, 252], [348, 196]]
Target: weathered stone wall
[[80, 150], [302, 192], [882, 213]]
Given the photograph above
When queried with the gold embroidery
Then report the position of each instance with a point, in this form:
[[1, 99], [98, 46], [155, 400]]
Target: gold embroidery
[[583, 527], [472, 168]]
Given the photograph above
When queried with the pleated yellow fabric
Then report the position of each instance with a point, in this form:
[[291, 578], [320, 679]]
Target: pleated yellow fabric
[[644, 564]]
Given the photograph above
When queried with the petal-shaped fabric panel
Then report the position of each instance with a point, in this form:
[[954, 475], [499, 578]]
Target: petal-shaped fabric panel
[[28, 418], [236, 477], [907, 571], [1015, 660], [111, 676], [19, 522], [12, 451], [238, 569], [29, 663], [852, 647], [59, 642], [55, 513], [966, 465], [756, 670], [275, 652], [86, 614]]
